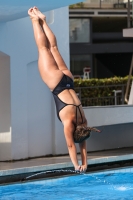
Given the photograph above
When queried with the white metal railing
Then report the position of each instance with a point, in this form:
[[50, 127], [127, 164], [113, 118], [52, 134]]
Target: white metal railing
[[112, 1], [94, 95], [103, 3], [125, 1]]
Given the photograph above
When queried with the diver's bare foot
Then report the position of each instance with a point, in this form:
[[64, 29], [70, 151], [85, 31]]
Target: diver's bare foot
[[32, 15], [39, 14]]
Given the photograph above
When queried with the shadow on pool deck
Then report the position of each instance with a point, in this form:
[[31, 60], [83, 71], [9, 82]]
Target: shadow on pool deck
[[95, 161]]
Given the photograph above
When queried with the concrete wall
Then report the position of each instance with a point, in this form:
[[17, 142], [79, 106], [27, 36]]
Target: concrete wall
[[116, 123], [5, 108], [39, 113], [34, 128], [109, 115], [112, 137]]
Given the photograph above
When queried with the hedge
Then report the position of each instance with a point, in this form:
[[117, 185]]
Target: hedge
[[77, 5], [100, 91]]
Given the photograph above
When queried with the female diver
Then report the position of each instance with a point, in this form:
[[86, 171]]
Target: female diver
[[59, 79]]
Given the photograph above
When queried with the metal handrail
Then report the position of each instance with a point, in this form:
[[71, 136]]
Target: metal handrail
[[120, 88], [104, 1], [128, 82]]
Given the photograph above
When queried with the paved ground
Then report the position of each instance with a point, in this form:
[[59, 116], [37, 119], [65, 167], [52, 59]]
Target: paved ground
[[49, 163]]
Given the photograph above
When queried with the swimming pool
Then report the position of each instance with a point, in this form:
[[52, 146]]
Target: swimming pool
[[108, 185]]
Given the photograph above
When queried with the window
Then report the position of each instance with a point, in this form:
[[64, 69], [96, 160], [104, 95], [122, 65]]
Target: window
[[79, 30], [78, 62]]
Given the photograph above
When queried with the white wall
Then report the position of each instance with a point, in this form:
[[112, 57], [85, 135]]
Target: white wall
[[112, 137], [109, 115], [116, 123], [39, 110], [35, 132], [5, 108]]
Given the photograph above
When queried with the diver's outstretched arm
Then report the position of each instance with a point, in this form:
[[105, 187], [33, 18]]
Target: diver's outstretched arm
[[83, 150], [68, 131]]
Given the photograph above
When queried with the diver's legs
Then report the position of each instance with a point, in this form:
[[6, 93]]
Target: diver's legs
[[52, 43], [46, 62]]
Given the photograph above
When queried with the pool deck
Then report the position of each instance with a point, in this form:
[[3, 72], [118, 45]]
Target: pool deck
[[35, 165]]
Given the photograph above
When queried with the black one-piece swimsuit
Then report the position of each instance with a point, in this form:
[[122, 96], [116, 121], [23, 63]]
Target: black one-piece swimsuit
[[65, 83]]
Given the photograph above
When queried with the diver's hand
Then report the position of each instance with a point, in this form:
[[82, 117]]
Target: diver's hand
[[83, 168], [77, 168]]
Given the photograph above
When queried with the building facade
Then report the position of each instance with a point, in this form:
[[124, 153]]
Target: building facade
[[96, 38]]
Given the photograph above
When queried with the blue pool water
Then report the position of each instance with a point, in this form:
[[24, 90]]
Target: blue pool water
[[107, 185]]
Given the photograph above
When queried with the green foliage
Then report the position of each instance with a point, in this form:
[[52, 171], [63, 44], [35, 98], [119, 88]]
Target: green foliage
[[102, 82], [97, 92], [80, 5], [77, 5], [71, 6]]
